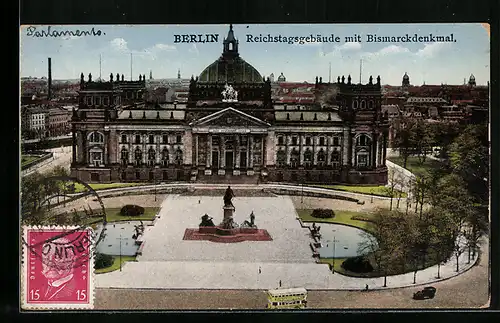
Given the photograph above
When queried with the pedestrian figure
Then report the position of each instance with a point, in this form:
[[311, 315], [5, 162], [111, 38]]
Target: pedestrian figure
[[280, 282], [259, 270], [366, 287], [199, 201]]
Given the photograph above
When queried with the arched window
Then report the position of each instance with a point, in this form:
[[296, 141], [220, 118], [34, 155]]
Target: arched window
[[151, 156], [295, 158], [363, 140], [355, 104], [370, 104], [321, 157], [281, 158], [124, 156], [138, 156], [164, 156], [363, 104], [178, 156], [96, 137]]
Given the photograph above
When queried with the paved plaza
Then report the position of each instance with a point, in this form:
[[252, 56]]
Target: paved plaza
[[168, 262], [163, 241]]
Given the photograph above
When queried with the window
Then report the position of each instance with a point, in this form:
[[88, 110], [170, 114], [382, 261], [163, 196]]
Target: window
[[215, 141], [124, 156], [96, 137], [96, 158], [335, 158], [97, 100], [137, 139], [321, 158], [308, 141], [321, 141], [164, 156], [281, 158], [294, 158], [137, 175], [294, 141], [124, 138], [94, 177], [138, 156], [164, 139], [308, 157], [363, 105], [151, 157], [88, 100], [178, 157], [165, 175], [151, 139], [363, 140], [281, 141], [362, 160], [124, 176], [106, 101], [178, 139], [336, 141], [355, 104]]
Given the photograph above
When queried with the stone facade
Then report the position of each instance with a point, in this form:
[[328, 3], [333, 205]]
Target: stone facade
[[340, 138]]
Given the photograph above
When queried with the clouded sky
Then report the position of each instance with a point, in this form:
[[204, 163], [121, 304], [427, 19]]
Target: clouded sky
[[153, 48]]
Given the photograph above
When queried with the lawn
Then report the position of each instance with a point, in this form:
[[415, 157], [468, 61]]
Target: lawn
[[104, 186], [25, 159], [117, 262], [375, 190], [413, 164], [113, 215], [341, 217]]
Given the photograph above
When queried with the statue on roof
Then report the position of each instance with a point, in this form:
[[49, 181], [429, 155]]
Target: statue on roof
[[229, 94]]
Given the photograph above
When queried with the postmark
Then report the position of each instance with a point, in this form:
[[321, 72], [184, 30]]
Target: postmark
[[57, 269]]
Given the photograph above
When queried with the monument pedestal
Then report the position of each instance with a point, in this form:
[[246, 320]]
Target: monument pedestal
[[228, 213]]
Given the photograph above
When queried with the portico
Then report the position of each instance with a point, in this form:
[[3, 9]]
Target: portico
[[229, 142]]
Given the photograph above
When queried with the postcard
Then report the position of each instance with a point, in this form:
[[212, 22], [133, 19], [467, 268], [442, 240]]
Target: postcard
[[231, 166]]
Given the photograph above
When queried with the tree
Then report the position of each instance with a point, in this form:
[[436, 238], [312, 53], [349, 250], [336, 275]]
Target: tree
[[441, 238], [403, 140], [469, 158], [421, 138], [391, 184]]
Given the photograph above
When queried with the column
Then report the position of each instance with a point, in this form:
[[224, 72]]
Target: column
[[105, 151], [288, 148], [248, 152], [237, 151], [328, 152], [187, 145], [270, 149], [209, 151], [222, 150], [79, 149], [301, 150], [384, 148], [374, 150], [74, 144], [353, 148], [131, 153], [345, 145], [197, 151], [315, 148], [250, 142]]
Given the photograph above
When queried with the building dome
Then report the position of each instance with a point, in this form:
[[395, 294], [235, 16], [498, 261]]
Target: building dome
[[230, 67], [406, 80], [281, 78], [472, 80]]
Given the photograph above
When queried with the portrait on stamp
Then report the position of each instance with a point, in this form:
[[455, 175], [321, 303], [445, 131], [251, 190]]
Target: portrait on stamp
[[57, 269]]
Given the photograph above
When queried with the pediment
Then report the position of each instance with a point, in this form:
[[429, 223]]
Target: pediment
[[230, 117]]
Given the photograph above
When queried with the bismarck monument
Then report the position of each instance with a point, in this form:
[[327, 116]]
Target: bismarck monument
[[228, 231]]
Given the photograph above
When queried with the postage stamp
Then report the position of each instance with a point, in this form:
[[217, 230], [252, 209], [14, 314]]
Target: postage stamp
[[57, 268]]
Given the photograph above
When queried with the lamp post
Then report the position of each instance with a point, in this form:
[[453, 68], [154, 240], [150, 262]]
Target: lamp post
[[302, 195], [155, 189], [120, 252], [333, 259]]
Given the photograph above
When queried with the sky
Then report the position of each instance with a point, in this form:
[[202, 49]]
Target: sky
[[153, 48]]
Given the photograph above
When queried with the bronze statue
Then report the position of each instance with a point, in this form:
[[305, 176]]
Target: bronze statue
[[228, 197], [206, 221], [252, 219]]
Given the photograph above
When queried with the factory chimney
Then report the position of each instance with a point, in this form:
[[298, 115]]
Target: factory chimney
[[49, 91]]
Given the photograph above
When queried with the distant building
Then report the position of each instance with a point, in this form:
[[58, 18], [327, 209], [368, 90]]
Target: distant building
[[58, 122], [281, 78]]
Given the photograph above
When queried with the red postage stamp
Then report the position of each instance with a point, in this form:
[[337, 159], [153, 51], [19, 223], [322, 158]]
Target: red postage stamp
[[57, 268]]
